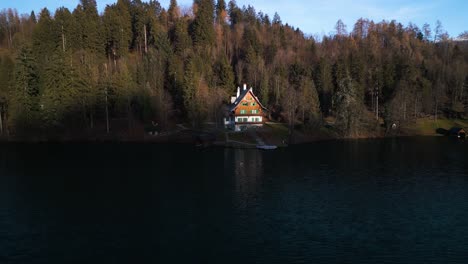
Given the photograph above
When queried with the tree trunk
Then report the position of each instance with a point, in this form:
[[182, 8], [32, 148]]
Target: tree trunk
[[415, 106], [129, 116], [404, 110], [377, 107], [1, 121], [63, 40], [10, 41], [91, 119], [146, 40], [85, 116], [106, 100], [107, 114]]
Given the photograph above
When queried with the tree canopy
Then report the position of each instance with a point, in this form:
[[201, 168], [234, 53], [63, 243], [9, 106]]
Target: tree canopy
[[138, 62]]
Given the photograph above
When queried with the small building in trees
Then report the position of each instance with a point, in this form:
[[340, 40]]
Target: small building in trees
[[245, 110], [457, 132]]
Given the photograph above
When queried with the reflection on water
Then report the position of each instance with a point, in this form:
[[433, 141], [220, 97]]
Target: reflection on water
[[248, 172], [365, 201]]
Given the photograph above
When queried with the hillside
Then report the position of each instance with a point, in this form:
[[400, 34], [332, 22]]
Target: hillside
[[81, 73]]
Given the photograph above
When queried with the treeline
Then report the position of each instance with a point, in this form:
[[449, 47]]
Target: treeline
[[137, 62]]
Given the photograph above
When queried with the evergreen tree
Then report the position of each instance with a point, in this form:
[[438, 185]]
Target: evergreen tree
[[118, 29], [59, 95], [24, 112], [122, 92], [235, 14], [224, 74], [90, 24], [265, 89], [276, 19], [32, 17], [46, 37], [139, 62], [202, 29], [65, 24], [173, 12], [348, 107], [6, 85], [221, 11], [325, 86], [181, 39], [309, 105]]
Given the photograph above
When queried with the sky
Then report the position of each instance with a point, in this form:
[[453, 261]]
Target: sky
[[317, 17]]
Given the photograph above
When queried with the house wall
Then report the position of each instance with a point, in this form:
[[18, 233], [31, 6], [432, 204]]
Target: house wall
[[250, 119], [240, 127], [252, 104]]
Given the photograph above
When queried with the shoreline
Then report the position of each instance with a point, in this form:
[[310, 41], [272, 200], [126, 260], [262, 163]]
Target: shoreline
[[184, 141], [276, 134]]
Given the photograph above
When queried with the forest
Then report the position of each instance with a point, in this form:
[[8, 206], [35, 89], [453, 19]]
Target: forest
[[87, 72]]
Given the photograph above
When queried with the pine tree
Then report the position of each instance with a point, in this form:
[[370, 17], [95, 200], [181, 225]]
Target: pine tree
[[276, 19], [46, 37], [189, 92], [65, 23], [173, 12], [325, 85], [59, 95], [139, 22], [90, 25], [348, 107], [221, 12], [6, 85], [202, 29], [181, 39], [309, 105], [87, 91], [224, 74], [235, 14], [24, 110], [118, 29], [265, 89], [32, 17]]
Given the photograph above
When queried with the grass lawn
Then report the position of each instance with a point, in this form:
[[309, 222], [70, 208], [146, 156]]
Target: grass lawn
[[274, 133], [278, 129], [428, 126], [241, 137]]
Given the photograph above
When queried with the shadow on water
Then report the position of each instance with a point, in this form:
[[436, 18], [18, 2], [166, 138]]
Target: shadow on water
[[354, 201]]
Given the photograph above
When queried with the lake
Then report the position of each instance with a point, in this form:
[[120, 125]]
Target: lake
[[401, 200]]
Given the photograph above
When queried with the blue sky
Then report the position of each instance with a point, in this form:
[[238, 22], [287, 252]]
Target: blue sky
[[319, 16]]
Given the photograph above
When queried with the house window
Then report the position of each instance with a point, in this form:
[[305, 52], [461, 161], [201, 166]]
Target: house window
[[255, 111], [245, 103], [257, 119], [254, 104], [243, 112], [244, 120]]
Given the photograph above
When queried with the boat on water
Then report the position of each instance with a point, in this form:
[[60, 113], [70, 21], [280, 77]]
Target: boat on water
[[267, 147]]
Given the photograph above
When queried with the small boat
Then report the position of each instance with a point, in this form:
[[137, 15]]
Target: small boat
[[267, 147]]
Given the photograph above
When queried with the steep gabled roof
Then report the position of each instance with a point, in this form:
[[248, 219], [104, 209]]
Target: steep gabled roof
[[241, 97], [456, 130]]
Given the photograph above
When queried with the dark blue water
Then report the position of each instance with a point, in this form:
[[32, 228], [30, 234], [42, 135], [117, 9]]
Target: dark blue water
[[366, 201]]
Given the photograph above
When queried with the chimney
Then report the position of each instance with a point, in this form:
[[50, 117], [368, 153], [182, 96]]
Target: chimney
[[238, 92], [245, 86]]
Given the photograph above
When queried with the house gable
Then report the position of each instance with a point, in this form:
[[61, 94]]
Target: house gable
[[247, 101], [245, 110]]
